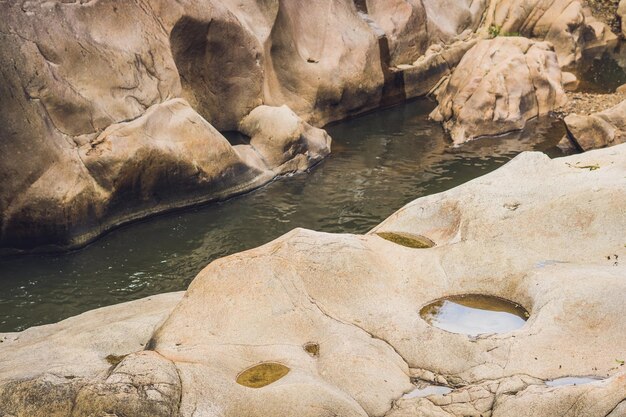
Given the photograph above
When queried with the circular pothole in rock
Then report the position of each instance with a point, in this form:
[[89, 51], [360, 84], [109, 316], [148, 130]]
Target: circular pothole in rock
[[572, 380], [262, 374], [407, 239], [474, 314], [312, 349]]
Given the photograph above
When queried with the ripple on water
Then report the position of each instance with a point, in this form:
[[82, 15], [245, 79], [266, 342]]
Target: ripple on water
[[380, 162]]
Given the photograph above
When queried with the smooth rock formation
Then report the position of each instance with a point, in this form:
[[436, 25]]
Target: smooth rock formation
[[75, 72], [84, 366], [169, 157], [498, 86], [567, 24], [598, 130], [282, 140], [425, 74], [341, 312]]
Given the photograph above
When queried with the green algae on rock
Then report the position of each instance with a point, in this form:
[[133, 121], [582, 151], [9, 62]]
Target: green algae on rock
[[407, 239], [262, 374]]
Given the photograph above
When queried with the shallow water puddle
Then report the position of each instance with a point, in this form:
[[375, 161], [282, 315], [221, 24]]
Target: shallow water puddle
[[572, 380], [313, 349], [262, 374], [427, 390], [474, 314], [407, 239]]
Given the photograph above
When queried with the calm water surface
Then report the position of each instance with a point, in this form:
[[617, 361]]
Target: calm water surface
[[573, 380], [475, 314], [427, 390], [379, 163]]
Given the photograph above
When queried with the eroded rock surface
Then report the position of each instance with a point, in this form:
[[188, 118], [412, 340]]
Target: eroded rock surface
[[341, 312], [76, 74], [498, 86], [567, 24], [597, 130], [91, 364]]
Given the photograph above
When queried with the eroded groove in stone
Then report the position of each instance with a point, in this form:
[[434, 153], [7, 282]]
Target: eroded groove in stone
[[407, 239]]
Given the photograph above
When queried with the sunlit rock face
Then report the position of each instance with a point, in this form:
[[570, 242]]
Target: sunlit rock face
[[598, 130], [76, 75], [499, 85], [319, 324], [567, 24]]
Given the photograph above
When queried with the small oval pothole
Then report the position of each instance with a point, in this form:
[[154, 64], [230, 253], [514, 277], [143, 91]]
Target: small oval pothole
[[407, 239], [572, 380], [313, 349], [426, 390], [474, 314], [261, 375]]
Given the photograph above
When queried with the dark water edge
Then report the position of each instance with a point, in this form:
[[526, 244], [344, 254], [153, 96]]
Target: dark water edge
[[605, 74], [380, 162]]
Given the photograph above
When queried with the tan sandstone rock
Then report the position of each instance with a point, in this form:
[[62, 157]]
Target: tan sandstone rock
[[89, 363], [597, 130], [498, 86], [73, 72], [341, 312], [283, 141], [567, 24]]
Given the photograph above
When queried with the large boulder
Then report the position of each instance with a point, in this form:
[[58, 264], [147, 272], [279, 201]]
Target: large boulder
[[284, 142], [168, 157], [566, 24], [319, 324], [498, 86], [411, 26], [91, 364], [92, 132], [598, 130]]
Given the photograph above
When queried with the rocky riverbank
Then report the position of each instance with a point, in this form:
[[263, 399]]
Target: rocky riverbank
[[333, 321], [111, 113], [584, 104], [607, 12]]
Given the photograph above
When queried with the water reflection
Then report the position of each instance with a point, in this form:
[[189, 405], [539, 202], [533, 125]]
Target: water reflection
[[572, 380], [423, 391], [379, 163], [474, 315]]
